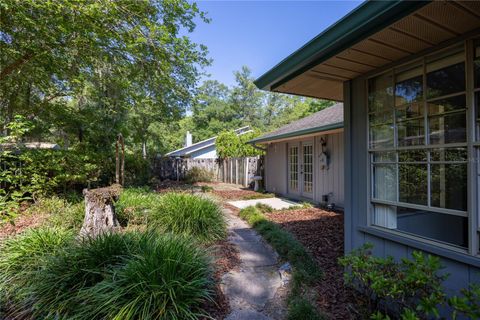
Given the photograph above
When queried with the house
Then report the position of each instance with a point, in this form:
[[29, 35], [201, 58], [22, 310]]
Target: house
[[408, 74], [201, 150], [304, 159]]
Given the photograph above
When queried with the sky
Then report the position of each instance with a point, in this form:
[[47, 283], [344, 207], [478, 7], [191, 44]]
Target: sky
[[260, 34]]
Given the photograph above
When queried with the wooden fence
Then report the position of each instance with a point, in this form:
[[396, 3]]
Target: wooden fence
[[233, 170]]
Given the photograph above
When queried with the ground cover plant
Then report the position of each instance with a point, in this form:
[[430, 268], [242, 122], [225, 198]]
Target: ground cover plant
[[305, 270], [130, 275]]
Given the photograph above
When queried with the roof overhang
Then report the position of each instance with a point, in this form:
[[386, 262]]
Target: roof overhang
[[327, 129], [374, 35]]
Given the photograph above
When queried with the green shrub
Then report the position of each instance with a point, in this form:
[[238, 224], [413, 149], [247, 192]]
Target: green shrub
[[258, 195], [206, 189], [197, 174], [263, 207], [400, 289], [467, 305], [191, 215], [114, 276], [302, 309], [135, 205], [22, 256]]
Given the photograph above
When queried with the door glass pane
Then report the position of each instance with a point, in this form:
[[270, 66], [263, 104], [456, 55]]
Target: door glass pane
[[413, 183], [411, 132], [385, 182], [443, 227], [449, 186], [293, 168], [449, 128], [308, 168]]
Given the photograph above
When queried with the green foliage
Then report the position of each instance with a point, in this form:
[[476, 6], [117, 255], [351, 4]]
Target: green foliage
[[258, 195], [405, 289], [135, 205], [206, 189], [114, 276], [231, 145], [305, 270], [197, 174], [60, 212], [263, 207], [21, 257], [302, 309], [191, 215], [468, 304]]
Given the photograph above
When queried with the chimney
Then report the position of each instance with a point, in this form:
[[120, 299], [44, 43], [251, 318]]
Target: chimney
[[188, 139]]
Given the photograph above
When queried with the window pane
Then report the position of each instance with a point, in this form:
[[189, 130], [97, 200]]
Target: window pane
[[449, 154], [409, 90], [385, 182], [477, 66], [447, 105], [411, 110], [449, 186], [385, 216], [380, 93], [412, 156], [413, 183], [381, 117], [381, 136], [411, 132], [445, 81], [388, 156], [443, 227], [448, 128]]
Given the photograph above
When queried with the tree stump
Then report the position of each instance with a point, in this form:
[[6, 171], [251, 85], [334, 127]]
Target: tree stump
[[100, 211]]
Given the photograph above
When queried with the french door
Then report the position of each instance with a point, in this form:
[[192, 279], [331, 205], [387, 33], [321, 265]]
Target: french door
[[300, 169]]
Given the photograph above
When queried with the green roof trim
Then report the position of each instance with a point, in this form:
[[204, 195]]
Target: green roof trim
[[365, 20], [328, 127]]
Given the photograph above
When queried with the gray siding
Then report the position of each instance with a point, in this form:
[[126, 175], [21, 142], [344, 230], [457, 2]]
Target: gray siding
[[326, 181], [463, 269]]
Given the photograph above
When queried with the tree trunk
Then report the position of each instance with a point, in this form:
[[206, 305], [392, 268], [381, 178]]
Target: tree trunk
[[100, 211]]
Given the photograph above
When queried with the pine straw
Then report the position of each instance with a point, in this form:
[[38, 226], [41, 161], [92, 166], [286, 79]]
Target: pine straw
[[21, 223], [321, 232]]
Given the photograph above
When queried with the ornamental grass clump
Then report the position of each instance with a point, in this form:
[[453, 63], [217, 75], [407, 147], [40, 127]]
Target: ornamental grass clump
[[135, 205], [191, 215], [131, 275]]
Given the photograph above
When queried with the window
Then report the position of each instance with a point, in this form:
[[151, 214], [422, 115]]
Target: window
[[418, 148]]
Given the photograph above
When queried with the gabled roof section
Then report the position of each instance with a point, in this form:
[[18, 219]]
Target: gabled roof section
[[327, 119], [376, 34], [203, 144]]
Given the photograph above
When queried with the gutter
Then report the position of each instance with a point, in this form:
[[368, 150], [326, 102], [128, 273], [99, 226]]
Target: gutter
[[364, 21], [327, 127]]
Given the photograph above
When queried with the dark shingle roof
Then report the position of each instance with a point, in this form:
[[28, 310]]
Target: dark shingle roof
[[326, 119]]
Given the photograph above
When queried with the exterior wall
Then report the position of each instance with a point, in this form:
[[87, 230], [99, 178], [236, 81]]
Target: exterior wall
[[463, 269], [326, 181], [206, 153]]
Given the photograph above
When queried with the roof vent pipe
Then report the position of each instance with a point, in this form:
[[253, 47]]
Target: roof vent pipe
[[188, 139]]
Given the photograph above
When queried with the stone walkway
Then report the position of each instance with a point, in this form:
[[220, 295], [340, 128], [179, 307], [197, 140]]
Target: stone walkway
[[256, 290]]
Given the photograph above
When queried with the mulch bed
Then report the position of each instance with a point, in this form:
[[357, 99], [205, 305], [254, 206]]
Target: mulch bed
[[21, 223], [226, 259], [241, 194], [321, 232]]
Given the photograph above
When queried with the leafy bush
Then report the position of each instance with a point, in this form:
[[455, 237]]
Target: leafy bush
[[409, 288], [135, 205], [231, 145], [305, 270], [467, 305], [190, 215], [197, 174], [21, 257], [115, 276], [263, 207], [206, 189]]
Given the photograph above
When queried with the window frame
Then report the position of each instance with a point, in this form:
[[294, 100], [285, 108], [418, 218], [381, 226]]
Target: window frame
[[472, 145]]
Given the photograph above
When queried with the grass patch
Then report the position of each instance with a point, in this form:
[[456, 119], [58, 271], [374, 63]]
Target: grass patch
[[263, 207], [115, 276], [258, 195], [305, 270], [191, 215], [135, 205]]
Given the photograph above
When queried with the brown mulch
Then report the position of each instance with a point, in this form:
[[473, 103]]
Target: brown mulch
[[21, 223], [321, 232], [240, 194], [226, 259]]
